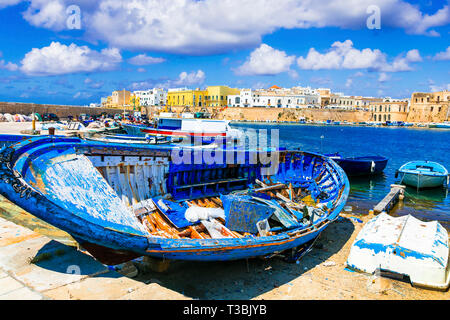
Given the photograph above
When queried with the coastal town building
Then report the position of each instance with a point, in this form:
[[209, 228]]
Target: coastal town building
[[118, 99], [217, 96], [152, 97], [325, 97], [212, 96], [429, 106], [389, 111], [275, 97], [186, 97], [340, 101]]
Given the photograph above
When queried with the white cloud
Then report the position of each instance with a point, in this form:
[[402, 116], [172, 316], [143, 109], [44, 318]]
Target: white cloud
[[349, 83], [266, 60], [212, 26], [184, 79], [188, 79], [413, 56], [143, 59], [383, 77], [436, 88], [7, 3], [82, 95], [92, 84], [8, 65], [445, 55], [49, 14], [342, 55], [59, 59]]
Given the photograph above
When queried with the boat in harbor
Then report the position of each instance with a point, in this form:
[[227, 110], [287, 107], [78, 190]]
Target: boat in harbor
[[360, 166], [206, 129], [443, 125], [423, 174], [122, 201]]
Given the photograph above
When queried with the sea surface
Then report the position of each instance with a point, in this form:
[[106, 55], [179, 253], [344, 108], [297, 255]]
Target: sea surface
[[399, 144]]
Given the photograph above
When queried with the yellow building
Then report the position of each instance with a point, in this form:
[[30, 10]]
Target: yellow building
[[186, 98], [429, 106], [389, 111], [213, 96], [135, 102], [217, 96]]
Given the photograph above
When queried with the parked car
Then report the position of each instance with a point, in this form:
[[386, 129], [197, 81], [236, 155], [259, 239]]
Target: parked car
[[50, 117]]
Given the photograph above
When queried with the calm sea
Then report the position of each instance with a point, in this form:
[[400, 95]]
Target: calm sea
[[400, 145]]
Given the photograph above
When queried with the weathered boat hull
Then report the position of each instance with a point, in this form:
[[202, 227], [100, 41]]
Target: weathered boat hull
[[403, 246], [84, 187]]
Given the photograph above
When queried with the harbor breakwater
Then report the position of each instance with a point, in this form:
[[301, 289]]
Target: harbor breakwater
[[285, 114], [235, 113], [61, 111]]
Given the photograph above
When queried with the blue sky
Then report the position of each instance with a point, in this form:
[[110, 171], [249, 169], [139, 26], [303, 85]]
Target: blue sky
[[240, 43]]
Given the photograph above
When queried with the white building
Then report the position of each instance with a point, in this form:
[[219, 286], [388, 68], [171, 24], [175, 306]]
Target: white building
[[152, 97], [279, 98]]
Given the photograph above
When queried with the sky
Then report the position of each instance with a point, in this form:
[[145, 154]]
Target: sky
[[74, 52]]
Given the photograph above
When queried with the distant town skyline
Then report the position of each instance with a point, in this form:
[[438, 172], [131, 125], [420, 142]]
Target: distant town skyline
[[75, 52]]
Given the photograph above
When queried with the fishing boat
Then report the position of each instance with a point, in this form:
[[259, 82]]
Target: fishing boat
[[122, 201], [360, 166], [206, 129], [443, 125], [128, 139], [423, 174], [9, 139]]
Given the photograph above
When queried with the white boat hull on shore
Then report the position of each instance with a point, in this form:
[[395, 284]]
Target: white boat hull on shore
[[404, 246]]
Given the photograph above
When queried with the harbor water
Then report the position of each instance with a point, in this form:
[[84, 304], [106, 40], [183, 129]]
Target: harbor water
[[399, 144]]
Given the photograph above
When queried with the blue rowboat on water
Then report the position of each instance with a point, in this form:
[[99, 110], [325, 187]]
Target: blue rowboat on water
[[423, 174], [121, 201], [360, 166]]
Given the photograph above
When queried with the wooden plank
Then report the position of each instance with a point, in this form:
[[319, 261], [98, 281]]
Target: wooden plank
[[390, 200]]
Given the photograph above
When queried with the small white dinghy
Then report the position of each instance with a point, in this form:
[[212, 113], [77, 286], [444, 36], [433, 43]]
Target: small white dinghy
[[404, 246]]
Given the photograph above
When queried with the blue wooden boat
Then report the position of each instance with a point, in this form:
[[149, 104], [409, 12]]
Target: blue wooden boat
[[423, 174], [360, 166], [8, 139], [122, 201]]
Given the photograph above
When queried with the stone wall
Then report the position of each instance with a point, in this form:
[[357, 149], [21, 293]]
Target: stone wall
[[278, 114], [60, 110]]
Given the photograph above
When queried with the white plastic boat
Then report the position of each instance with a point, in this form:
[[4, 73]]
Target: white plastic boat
[[403, 246]]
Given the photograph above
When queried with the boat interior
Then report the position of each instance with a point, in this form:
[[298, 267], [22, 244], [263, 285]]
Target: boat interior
[[145, 189]]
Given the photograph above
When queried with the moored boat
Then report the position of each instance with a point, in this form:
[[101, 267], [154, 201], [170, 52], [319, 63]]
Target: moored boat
[[121, 201], [443, 125], [205, 129], [360, 166], [423, 174]]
